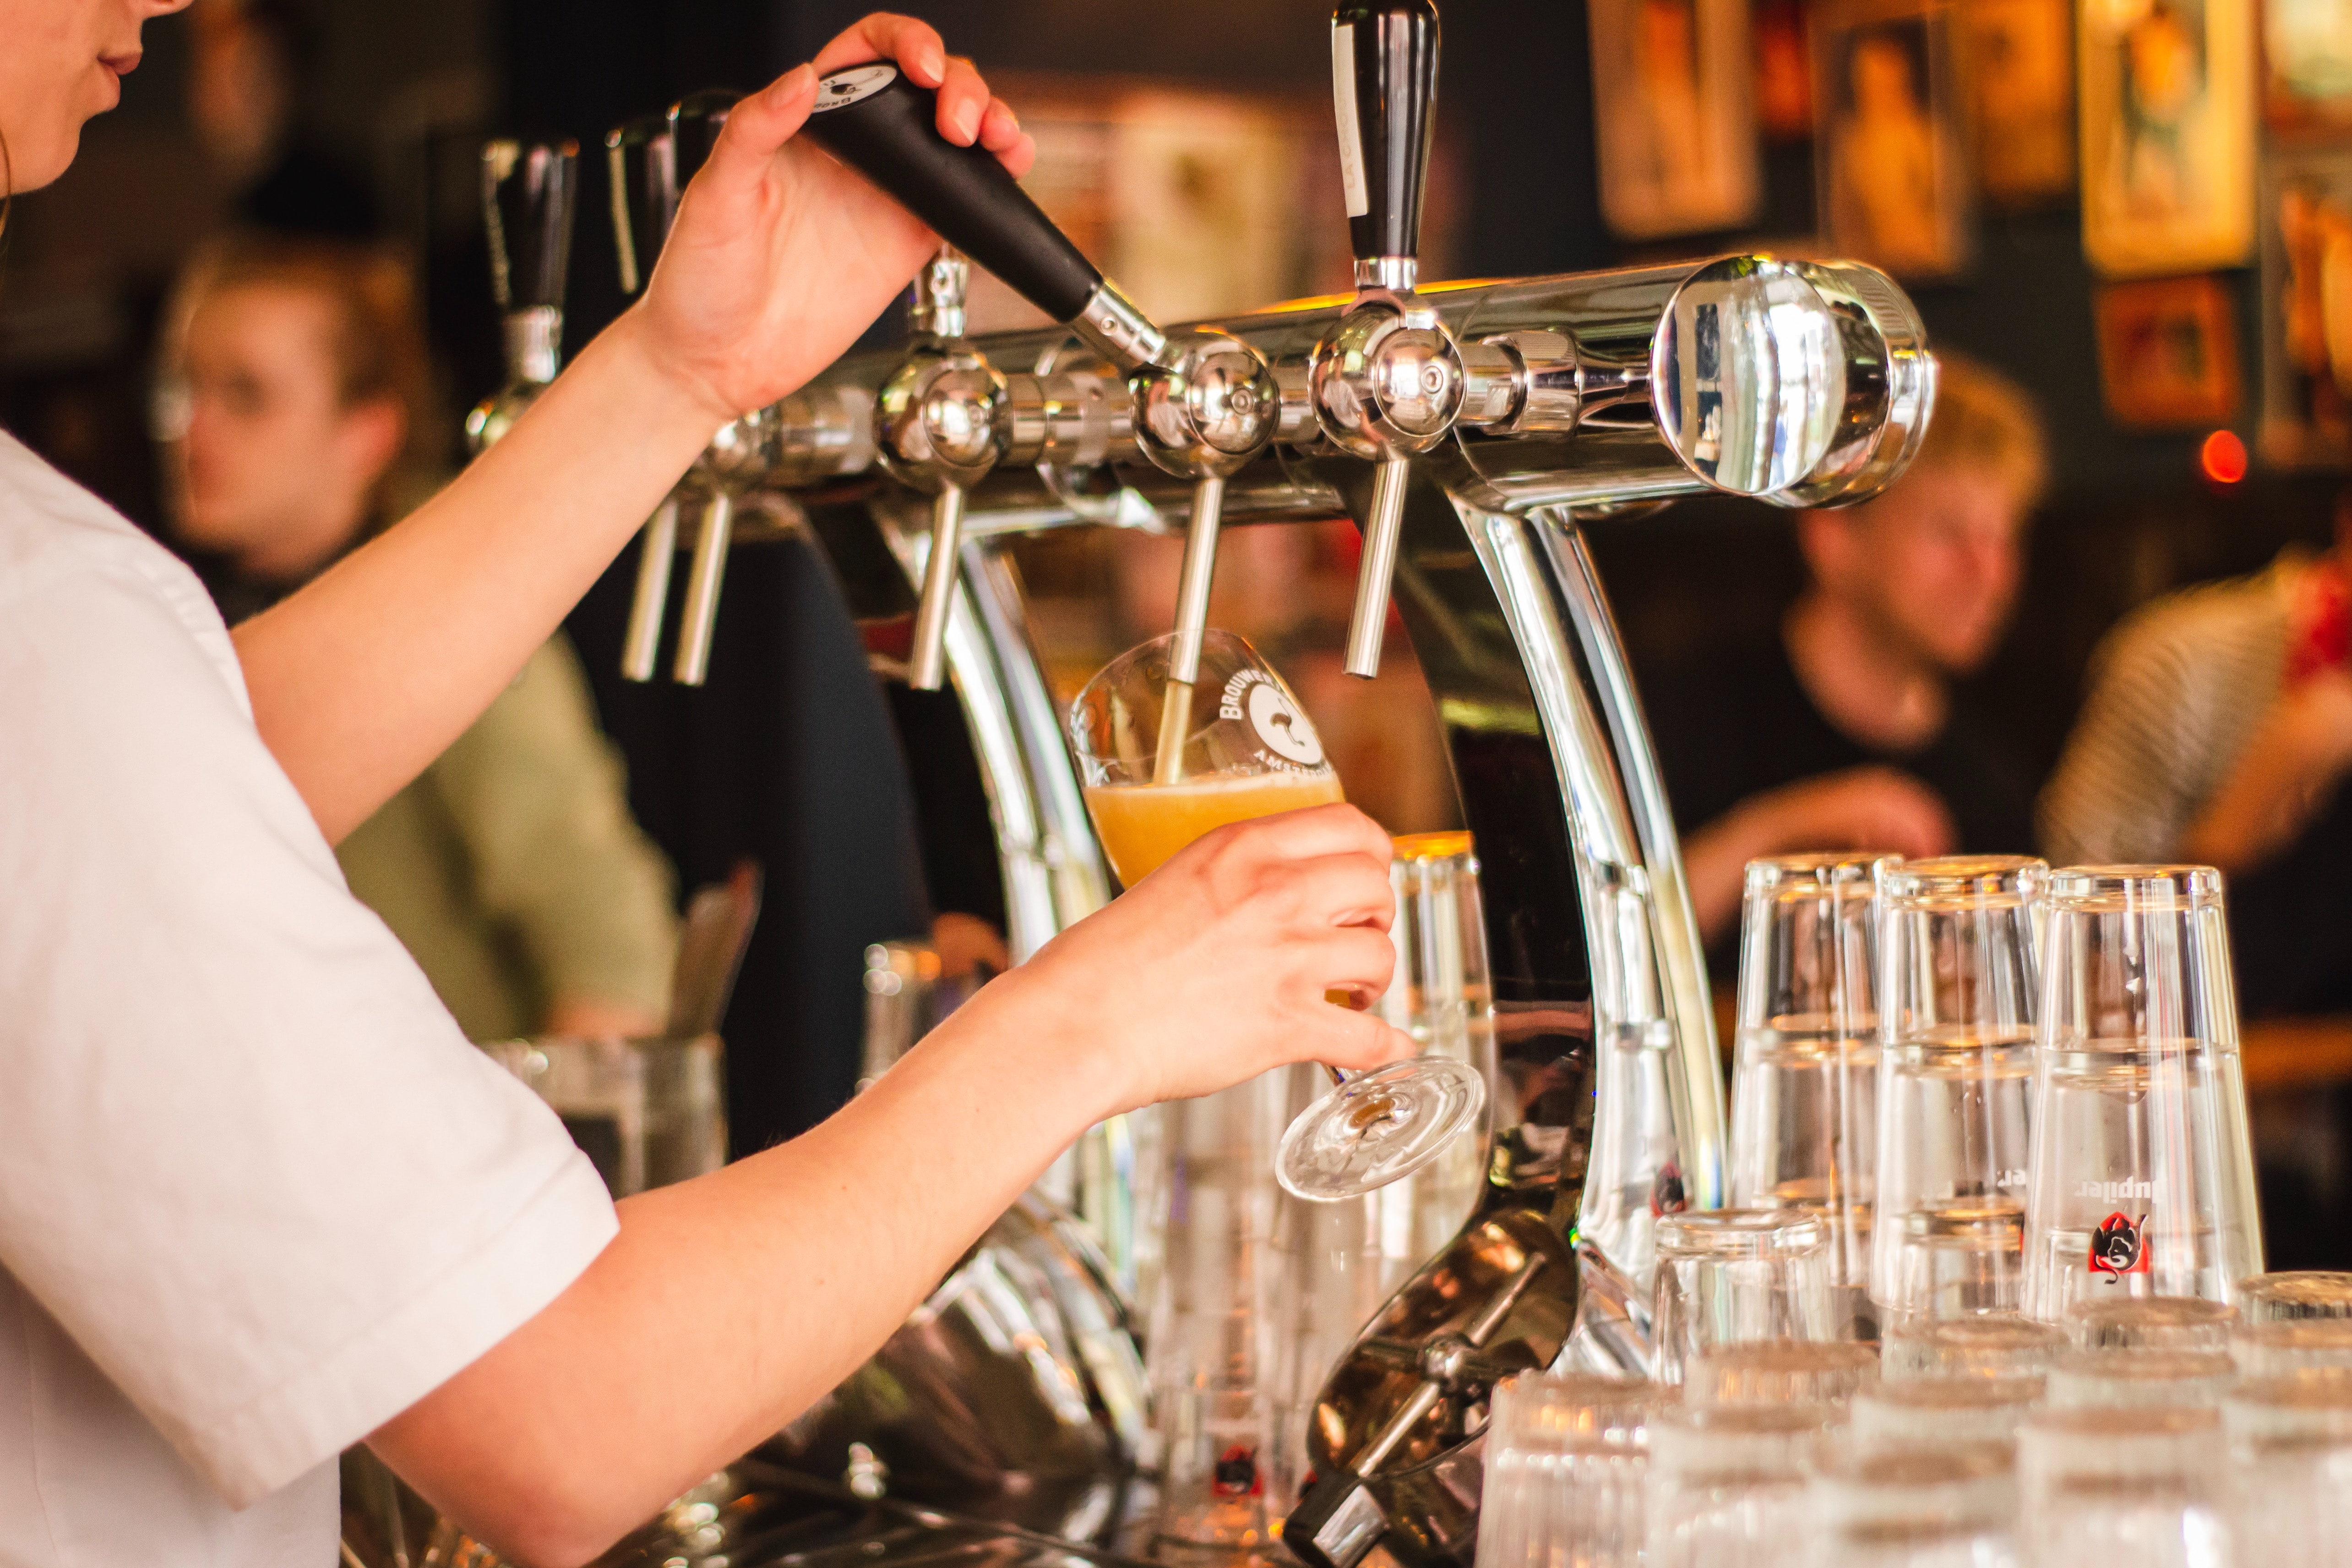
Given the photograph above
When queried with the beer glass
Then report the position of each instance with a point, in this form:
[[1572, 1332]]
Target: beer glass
[[2141, 1379], [2291, 1470], [2283, 1349], [1935, 1412], [1917, 1508], [1780, 1371], [2283, 1297], [1727, 1485], [1728, 1276], [2109, 1486], [1969, 1347], [1804, 1077], [1343, 1259], [2152, 1322], [1208, 1352], [1566, 1455], [1956, 1042], [1164, 761], [2143, 1178]]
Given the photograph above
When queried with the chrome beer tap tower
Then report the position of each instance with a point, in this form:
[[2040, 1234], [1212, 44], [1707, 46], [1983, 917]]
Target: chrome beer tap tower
[[1470, 431]]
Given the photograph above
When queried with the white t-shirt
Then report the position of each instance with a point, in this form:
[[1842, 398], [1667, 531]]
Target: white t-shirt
[[257, 1194]]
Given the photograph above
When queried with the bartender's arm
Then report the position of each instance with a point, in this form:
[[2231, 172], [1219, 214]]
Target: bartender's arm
[[729, 1303], [779, 259]]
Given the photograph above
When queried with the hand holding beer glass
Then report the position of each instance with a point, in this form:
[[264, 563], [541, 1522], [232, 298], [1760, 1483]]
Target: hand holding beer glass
[[1166, 761]]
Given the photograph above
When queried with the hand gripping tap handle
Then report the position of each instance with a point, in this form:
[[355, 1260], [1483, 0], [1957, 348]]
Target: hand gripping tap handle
[[883, 125]]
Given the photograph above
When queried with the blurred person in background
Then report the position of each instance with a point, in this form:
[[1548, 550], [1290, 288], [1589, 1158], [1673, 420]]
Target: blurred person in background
[[1840, 731], [2217, 729], [294, 402], [247, 62]]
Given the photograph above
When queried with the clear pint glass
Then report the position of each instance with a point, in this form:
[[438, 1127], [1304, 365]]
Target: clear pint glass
[[1780, 1371], [2296, 1294], [1917, 1508], [2283, 1349], [2152, 1323], [2143, 1178], [2291, 1470], [2142, 1487], [1727, 1485], [1804, 1077], [1731, 1275], [1956, 994], [1934, 1412], [1566, 1460], [2141, 1379], [1971, 1347]]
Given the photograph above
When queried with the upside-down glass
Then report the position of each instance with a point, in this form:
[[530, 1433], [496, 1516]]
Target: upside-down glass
[[1566, 1455], [1248, 750], [2298, 1344], [1731, 1275], [1971, 1347], [1955, 994], [1805, 1075], [2152, 1323], [1209, 1356], [1934, 1412], [1342, 1260], [1780, 1371], [2292, 1295], [2291, 1470], [2141, 1379], [1727, 1485], [1916, 1506], [2143, 1177], [2142, 1487]]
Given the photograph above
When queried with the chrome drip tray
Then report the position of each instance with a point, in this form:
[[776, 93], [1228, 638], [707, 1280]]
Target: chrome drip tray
[[756, 1515]]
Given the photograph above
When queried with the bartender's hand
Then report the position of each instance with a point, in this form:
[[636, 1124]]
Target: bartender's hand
[[1213, 968], [781, 256]]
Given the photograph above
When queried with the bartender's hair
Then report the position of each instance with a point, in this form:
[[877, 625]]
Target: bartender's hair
[[378, 335], [1983, 420]]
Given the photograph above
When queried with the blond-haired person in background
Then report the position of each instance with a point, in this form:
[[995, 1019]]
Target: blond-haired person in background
[[1840, 732], [297, 423]]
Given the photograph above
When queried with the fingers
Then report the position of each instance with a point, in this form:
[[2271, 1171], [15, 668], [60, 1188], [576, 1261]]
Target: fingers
[[1309, 834], [884, 35], [1346, 889], [1358, 1042], [763, 122]]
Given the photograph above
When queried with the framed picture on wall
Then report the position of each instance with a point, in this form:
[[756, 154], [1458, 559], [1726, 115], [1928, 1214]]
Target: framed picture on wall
[[2168, 115], [2017, 58], [1677, 127], [2306, 317], [1893, 177], [2168, 352], [1784, 71], [2308, 65]]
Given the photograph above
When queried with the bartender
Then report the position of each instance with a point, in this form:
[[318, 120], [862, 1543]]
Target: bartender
[[258, 1197]]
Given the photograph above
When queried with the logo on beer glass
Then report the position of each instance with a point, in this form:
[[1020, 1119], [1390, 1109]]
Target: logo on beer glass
[[1280, 727], [1667, 1194], [1236, 1473], [2119, 1246]]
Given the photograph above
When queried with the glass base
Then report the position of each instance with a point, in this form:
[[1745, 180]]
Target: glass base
[[1377, 1127]]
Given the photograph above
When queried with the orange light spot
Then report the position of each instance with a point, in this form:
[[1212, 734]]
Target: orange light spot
[[2223, 457]]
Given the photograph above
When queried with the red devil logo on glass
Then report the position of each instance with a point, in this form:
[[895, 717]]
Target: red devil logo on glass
[[2119, 1246]]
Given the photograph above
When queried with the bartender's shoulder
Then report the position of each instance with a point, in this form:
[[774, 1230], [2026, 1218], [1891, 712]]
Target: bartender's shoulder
[[53, 534]]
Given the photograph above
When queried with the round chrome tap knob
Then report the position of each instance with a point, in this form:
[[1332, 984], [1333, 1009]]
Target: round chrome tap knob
[[1387, 382], [743, 450], [1207, 407], [942, 417]]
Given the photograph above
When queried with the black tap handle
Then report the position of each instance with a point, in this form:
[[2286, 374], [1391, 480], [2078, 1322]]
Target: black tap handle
[[695, 123], [528, 190], [886, 127], [641, 155], [1384, 89]]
